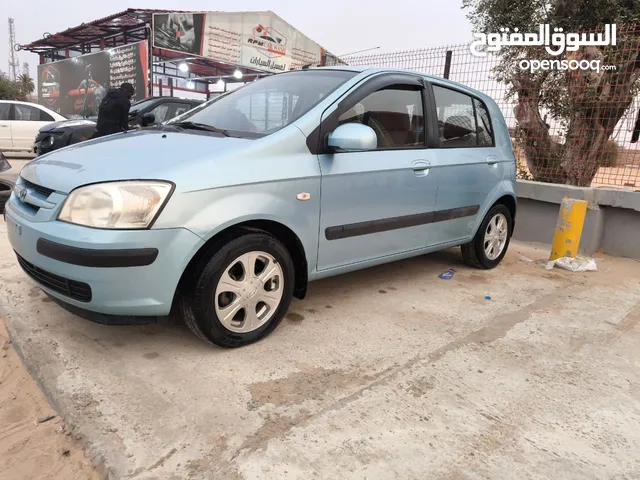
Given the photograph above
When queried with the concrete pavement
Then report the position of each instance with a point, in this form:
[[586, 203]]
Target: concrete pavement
[[389, 372]]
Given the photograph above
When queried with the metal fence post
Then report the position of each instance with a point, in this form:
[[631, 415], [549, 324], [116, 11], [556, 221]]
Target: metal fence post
[[447, 63]]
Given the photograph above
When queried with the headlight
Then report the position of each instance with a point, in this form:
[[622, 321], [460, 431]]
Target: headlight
[[125, 205], [47, 141]]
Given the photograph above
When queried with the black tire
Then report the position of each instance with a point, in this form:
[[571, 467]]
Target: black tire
[[473, 253], [5, 192], [196, 301]]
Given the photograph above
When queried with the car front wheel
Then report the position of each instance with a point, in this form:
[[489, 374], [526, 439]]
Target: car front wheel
[[489, 246], [241, 293]]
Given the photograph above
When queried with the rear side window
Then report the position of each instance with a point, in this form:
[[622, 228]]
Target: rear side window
[[485, 130], [32, 114], [5, 108], [463, 121]]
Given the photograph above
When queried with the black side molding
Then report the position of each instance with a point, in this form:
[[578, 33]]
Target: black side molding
[[88, 257], [394, 223]]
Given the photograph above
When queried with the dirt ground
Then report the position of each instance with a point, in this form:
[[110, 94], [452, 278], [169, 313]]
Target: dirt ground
[[385, 373], [29, 449]]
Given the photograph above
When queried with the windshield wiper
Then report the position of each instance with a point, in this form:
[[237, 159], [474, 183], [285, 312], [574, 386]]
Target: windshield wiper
[[200, 126]]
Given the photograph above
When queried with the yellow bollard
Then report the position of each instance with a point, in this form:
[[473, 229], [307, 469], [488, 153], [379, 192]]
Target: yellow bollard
[[566, 239]]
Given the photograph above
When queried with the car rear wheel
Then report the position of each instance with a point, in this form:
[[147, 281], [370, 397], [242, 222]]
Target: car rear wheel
[[241, 293], [489, 246]]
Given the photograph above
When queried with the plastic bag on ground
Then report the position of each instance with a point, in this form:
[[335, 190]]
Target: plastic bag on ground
[[578, 264]]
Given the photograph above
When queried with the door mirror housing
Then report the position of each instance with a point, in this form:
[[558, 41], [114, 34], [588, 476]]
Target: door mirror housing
[[352, 137], [4, 163], [148, 119]]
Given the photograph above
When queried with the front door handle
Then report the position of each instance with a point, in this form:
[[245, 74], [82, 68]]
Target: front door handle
[[492, 160], [420, 167]]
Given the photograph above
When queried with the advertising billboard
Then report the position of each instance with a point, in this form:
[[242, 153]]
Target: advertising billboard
[[257, 40], [77, 85]]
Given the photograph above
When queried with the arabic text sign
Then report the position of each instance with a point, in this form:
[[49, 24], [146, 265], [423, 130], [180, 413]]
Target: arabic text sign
[[256, 40], [555, 43]]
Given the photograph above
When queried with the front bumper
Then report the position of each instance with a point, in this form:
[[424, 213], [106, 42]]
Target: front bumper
[[41, 145], [144, 290]]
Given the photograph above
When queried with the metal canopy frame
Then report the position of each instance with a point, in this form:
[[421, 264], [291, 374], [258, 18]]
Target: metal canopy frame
[[130, 26]]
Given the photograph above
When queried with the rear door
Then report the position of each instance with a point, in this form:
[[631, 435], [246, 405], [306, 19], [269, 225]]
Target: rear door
[[5, 126], [470, 165], [27, 120], [377, 203]]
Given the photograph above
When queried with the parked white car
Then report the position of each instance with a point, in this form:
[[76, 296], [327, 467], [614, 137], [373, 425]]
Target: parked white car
[[20, 122]]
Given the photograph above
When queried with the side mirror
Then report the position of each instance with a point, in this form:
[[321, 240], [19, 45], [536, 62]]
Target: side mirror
[[148, 119], [4, 163], [352, 137]]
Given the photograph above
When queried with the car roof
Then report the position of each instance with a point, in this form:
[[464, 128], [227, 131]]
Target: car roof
[[432, 78], [32, 104], [20, 102]]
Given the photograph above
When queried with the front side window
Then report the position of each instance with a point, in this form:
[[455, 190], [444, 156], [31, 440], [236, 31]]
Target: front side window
[[30, 114], [463, 121], [181, 108], [395, 113], [265, 106], [160, 112], [140, 105]]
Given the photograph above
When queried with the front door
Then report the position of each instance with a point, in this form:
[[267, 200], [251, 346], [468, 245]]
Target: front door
[[377, 203], [470, 166]]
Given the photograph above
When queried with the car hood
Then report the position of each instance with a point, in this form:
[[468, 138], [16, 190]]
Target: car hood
[[144, 154], [67, 124]]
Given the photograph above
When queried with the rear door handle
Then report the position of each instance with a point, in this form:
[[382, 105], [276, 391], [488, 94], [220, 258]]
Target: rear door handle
[[420, 167], [492, 160]]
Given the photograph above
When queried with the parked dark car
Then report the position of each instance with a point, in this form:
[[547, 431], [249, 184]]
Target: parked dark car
[[152, 110]]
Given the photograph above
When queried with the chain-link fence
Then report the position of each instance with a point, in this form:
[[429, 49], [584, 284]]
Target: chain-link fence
[[576, 126]]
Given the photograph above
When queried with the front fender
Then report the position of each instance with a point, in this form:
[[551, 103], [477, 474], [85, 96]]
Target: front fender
[[208, 212]]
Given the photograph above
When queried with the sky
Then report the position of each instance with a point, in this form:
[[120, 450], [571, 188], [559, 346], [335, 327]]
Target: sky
[[340, 26]]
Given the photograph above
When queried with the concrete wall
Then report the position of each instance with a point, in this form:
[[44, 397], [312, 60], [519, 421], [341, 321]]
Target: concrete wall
[[612, 223]]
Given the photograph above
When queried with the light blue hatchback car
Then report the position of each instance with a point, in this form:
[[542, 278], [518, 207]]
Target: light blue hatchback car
[[229, 211]]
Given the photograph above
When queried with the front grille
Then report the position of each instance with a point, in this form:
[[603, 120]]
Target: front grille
[[44, 191], [77, 290]]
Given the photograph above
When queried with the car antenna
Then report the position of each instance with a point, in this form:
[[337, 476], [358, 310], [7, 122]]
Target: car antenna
[[306, 67]]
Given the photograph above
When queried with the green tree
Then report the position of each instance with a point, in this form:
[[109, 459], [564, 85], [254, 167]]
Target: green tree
[[26, 84], [9, 90], [586, 103]]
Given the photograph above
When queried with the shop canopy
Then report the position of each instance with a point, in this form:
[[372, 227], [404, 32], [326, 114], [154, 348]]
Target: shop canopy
[[214, 44]]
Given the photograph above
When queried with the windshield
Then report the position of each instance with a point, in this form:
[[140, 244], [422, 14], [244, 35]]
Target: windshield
[[195, 109], [265, 106]]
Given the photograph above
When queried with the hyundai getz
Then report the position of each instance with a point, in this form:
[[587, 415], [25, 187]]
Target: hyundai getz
[[227, 213]]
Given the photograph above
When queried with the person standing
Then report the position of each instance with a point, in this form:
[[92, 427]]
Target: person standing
[[113, 115]]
